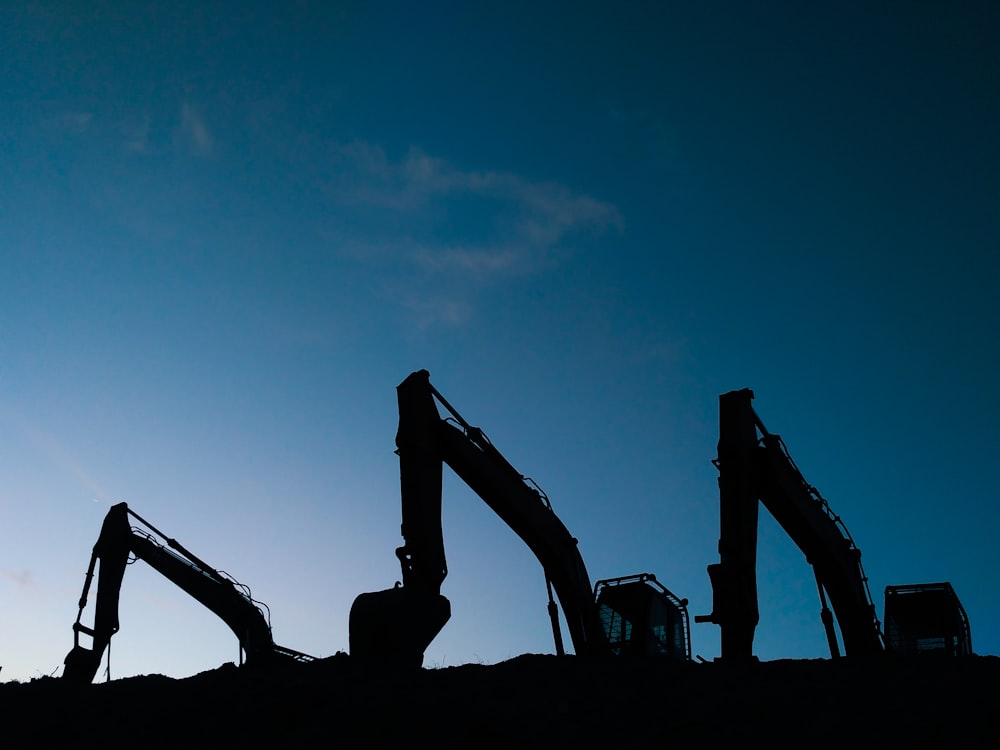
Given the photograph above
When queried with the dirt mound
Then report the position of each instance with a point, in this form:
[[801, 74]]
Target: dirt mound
[[530, 701]]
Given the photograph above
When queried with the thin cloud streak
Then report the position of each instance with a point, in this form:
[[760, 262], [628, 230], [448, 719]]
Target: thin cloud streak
[[57, 455], [135, 132], [195, 132], [443, 235], [24, 579], [523, 220], [468, 260], [75, 122], [427, 311]]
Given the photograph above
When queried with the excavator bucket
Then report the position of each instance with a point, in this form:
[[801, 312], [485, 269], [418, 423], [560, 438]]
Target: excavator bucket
[[395, 626], [81, 665]]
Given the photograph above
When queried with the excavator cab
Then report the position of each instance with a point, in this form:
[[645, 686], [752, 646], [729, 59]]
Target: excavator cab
[[642, 618], [925, 619]]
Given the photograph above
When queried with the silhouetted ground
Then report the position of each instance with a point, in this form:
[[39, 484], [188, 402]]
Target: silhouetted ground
[[528, 702]]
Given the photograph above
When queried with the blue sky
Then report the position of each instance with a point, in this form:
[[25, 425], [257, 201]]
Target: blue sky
[[228, 231]]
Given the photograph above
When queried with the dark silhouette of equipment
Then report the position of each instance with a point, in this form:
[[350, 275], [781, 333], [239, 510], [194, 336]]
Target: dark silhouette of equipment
[[118, 545], [634, 615], [926, 618], [755, 467]]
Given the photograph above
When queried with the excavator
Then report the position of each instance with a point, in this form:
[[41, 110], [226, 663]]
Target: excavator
[[755, 469], [121, 543], [630, 615]]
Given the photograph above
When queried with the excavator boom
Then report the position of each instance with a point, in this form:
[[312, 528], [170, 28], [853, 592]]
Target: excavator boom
[[756, 468], [118, 542], [399, 623], [634, 614]]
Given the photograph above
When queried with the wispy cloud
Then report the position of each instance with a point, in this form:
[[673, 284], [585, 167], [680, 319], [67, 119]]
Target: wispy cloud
[[451, 231], [66, 121], [474, 260], [23, 579], [59, 457], [195, 132], [75, 122], [135, 132], [514, 222], [427, 310]]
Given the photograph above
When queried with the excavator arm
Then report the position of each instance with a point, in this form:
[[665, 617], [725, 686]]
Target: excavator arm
[[827, 545], [755, 467], [398, 624], [523, 508], [117, 543]]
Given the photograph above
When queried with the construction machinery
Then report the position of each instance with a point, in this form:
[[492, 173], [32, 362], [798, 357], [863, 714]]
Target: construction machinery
[[926, 618], [629, 615], [119, 544], [755, 468]]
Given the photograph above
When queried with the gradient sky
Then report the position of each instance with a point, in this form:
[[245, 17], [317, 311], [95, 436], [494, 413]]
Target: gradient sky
[[228, 231]]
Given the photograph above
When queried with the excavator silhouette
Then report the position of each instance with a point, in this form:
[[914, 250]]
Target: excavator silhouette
[[117, 545], [636, 614], [755, 468], [627, 615]]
